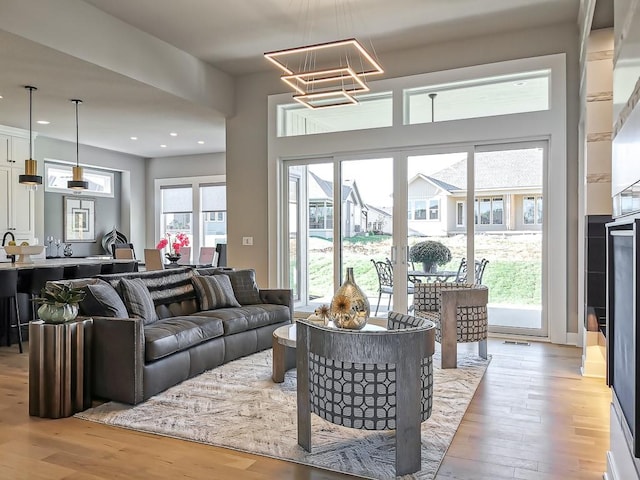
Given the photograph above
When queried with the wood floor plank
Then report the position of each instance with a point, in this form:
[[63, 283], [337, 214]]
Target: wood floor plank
[[532, 417]]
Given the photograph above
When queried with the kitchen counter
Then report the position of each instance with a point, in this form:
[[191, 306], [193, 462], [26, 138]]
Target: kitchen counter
[[60, 262]]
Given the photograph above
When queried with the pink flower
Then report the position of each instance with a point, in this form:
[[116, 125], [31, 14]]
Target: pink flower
[[175, 244]]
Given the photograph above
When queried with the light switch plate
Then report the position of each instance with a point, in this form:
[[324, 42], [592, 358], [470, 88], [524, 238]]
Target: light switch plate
[[248, 241]]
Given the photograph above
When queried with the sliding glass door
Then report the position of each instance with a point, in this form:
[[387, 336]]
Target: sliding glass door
[[310, 235], [480, 205], [509, 234]]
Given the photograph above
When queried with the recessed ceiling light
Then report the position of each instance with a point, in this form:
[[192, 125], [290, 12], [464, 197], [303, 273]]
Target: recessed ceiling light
[[201, 142], [173, 134], [43, 122], [1, 97], [134, 138], [163, 146]]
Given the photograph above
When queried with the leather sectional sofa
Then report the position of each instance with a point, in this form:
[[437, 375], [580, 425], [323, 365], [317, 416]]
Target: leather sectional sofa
[[137, 353]]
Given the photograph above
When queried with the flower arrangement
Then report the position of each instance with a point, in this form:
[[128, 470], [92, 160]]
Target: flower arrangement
[[430, 253], [175, 243]]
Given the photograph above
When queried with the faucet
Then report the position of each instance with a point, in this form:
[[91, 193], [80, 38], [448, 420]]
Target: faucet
[[4, 239]]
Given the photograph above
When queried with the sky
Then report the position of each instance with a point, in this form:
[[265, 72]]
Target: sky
[[374, 177]]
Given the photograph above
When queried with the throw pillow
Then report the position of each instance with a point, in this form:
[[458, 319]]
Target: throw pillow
[[214, 292], [138, 300], [244, 286], [101, 300]]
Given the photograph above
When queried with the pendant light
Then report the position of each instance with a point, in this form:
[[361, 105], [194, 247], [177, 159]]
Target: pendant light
[[30, 178], [78, 183]]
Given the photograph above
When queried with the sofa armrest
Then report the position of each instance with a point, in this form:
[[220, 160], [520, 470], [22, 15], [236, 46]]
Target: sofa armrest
[[278, 296], [118, 359]]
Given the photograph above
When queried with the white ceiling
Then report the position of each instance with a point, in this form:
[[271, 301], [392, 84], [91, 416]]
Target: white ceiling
[[231, 36]]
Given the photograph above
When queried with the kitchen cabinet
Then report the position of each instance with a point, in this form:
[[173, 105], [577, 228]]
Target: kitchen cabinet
[[17, 205], [13, 150]]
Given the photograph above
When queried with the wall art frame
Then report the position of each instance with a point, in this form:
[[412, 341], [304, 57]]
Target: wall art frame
[[79, 219]]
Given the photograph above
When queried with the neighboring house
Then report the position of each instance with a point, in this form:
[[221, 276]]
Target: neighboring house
[[508, 195], [354, 211], [379, 220]]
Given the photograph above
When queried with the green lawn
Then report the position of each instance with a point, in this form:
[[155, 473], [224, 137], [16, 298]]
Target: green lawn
[[511, 279]]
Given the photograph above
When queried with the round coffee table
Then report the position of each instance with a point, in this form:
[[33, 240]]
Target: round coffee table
[[284, 348]]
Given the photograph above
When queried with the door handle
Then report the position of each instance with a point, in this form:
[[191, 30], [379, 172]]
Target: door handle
[[393, 255]]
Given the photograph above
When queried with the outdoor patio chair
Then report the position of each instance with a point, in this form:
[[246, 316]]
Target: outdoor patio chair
[[459, 311], [370, 380], [385, 281], [461, 277]]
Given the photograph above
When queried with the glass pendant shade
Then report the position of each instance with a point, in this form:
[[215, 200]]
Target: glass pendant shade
[[30, 178], [77, 183]]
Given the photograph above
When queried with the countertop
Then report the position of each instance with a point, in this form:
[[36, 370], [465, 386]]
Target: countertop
[[57, 262]]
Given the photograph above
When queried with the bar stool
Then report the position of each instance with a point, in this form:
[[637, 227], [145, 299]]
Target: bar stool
[[9, 294], [106, 268], [126, 267], [82, 271], [39, 278]]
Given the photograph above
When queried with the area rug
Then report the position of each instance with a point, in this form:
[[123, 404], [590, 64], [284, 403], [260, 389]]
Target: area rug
[[239, 407]]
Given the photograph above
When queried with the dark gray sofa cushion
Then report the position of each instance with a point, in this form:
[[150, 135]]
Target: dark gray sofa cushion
[[171, 335], [236, 320], [138, 300], [166, 286], [102, 300], [244, 285], [214, 291]]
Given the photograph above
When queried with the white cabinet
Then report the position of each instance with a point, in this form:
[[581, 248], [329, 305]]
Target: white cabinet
[[19, 150], [13, 150], [17, 207]]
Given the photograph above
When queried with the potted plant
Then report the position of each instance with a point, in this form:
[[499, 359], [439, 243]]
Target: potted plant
[[430, 253], [175, 244], [59, 303]]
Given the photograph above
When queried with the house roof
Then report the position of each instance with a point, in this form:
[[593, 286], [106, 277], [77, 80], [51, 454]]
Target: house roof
[[377, 210], [326, 187], [506, 169]]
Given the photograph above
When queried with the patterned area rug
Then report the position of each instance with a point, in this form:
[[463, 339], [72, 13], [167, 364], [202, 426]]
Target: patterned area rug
[[239, 407]]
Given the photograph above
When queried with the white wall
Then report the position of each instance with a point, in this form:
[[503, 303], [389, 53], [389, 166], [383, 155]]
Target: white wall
[[177, 167], [247, 173]]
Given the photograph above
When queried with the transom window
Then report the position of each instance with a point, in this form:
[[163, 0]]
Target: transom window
[[373, 111], [101, 182], [481, 97]]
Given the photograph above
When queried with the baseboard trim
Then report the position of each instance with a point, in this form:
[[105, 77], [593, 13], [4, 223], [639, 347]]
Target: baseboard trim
[[572, 339]]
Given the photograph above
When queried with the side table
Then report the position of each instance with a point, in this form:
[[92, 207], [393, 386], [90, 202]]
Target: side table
[[59, 368]]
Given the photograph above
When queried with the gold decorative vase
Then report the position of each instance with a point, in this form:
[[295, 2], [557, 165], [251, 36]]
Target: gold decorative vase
[[350, 306]]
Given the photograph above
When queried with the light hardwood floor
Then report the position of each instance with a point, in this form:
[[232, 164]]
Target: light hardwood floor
[[533, 417]]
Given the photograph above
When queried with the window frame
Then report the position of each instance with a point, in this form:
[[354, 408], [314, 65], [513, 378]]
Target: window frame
[[197, 218], [68, 167], [460, 213]]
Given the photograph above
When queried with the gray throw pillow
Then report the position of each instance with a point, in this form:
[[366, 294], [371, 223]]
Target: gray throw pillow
[[102, 300], [138, 300], [214, 292], [244, 286]]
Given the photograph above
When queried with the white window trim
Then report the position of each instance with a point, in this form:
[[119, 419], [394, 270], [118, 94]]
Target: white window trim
[[549, 126], [536, 217], [437, 200], [460, 222], [195, 183], [68, 191]]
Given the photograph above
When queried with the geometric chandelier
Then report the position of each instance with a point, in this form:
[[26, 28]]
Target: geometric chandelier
[[326, 74]]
